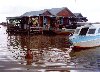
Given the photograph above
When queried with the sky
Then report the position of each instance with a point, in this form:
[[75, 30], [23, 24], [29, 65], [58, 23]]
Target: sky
[[88, 8]]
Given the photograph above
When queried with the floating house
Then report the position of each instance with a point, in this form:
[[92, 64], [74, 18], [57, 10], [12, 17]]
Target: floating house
[[73, 20], [44, 20]]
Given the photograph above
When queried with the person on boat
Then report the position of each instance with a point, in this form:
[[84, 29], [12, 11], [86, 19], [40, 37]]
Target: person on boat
[[29, 57]]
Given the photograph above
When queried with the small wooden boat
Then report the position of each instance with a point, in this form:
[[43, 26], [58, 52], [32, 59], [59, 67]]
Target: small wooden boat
[[64, 31], [86, 36]]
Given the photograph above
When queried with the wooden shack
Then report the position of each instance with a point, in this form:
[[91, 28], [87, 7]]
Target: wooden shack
[[74, 19], [43, 20]]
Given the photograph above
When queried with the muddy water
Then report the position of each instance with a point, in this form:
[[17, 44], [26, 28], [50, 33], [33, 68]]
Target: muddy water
[[46, 53]]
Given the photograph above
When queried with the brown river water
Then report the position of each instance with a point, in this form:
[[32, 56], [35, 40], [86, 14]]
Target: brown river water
[[46, 53]]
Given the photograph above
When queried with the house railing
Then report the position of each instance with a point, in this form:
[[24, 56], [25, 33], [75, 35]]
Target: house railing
[[36, 29]]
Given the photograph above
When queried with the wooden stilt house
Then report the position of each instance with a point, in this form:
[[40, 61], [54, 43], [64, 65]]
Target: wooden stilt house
[[48, 19]]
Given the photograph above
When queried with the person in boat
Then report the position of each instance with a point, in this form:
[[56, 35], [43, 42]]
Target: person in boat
[[29, 57]]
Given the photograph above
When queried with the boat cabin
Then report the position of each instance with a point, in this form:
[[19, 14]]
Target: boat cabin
[[88, 30]]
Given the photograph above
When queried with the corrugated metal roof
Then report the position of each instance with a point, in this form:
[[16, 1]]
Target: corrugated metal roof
[[33, 13], [78, 14], [53, 11]]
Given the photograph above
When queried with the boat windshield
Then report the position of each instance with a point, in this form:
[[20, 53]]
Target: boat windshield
[[84, 31], [91, 31], [77, 31], [99, 30]]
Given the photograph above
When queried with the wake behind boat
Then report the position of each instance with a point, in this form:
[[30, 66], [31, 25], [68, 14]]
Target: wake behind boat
[[86, 36]]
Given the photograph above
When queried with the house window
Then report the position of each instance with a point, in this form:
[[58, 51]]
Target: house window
[[91, 31], [45, 21], [61, 21]]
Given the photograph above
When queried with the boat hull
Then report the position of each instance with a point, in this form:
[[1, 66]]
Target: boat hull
[[87, 44], [64, 32]]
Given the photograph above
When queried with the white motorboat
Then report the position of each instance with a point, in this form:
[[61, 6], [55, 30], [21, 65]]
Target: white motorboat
[[86, 36]]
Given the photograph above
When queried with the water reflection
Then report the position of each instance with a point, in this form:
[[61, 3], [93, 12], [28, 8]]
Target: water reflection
[[87, 58], [39, 49], [3, 36], [48, 53]]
